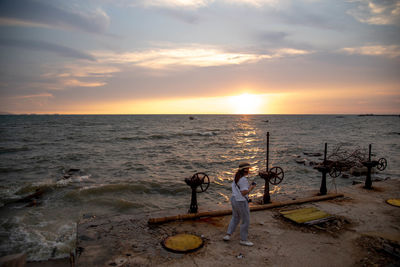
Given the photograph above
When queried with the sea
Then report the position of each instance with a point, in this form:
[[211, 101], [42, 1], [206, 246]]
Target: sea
[[81, 166]]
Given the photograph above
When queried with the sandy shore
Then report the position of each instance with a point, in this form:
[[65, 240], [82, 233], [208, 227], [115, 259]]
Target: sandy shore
[[365, 229]]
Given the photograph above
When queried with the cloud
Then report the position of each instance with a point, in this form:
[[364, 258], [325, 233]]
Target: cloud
[[183, 15], [47, 47], [82, 75], [256, 3], [391, 51], [77, 83], [196, 4], [194, 56], [189, 4], [273, 37], [84, 71], [46, 14], [378, 12], [33, 96]]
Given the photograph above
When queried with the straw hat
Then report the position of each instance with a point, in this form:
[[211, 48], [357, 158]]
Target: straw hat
[[244, 165]]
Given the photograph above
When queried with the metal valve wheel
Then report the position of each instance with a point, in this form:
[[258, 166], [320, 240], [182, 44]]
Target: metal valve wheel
[[335, 172], [276, 175], [382, 163], [204, 181]]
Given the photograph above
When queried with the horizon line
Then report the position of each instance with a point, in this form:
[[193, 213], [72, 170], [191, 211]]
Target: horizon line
[[194, 114]]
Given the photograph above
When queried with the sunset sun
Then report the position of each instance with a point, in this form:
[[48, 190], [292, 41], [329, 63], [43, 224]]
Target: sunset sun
[[246, 104]]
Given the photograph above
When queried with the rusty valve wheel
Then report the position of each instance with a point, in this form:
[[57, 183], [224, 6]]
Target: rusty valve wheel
[[276, 175], [202, 180], [335, 172], [382, 163]]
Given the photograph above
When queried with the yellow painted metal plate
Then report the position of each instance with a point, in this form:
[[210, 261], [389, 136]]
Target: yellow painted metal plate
[[305, 215], [394, 202], [183, 243]]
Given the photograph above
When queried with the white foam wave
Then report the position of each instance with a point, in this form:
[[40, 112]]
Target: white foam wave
[[74, 179], [40, 243]]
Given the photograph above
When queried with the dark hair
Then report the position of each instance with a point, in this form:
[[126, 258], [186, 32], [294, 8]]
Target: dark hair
[[239, 174]]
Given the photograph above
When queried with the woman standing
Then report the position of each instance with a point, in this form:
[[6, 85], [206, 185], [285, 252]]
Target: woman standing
[[240, 205]]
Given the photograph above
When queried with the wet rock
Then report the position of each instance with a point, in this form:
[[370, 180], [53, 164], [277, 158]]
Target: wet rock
[[86, 238], [72, 171], [15, 260], [38, 193], [312, 154], [33, 203], [358, 171], [301, 161], [53, 253]]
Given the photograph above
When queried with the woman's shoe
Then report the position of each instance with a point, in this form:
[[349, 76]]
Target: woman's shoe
[[227, 238], [246, 243]]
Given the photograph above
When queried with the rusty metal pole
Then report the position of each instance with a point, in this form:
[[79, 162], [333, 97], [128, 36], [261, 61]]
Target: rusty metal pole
[[323, 190], [369, 165], [193, 203], [267, 151], [266, 197]]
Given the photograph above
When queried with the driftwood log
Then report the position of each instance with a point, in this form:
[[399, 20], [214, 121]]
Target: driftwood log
[[229, 211]]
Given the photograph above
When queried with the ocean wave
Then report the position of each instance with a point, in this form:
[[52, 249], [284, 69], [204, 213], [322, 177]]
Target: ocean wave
[[4, 150], [160, 136], [138, 188], [117, 203], [10, 169], [73, 179], [194, 133], [132, 138], [35, 187]]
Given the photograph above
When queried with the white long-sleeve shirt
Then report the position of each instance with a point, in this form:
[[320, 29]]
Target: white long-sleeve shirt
[[242, 185]]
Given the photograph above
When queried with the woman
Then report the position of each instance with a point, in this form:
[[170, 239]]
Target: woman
[[240, 205]]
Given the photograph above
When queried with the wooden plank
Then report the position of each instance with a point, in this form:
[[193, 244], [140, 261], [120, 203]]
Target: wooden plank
[[229, 211]]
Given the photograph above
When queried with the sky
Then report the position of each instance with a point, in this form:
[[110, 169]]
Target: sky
[[200, 56]]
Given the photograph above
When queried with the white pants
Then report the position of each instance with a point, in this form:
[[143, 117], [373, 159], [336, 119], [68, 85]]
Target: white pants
[[240, 211]]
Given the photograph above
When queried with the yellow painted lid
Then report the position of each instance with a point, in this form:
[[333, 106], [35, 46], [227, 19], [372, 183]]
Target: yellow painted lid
[[305, 215], [183, 243], [394, 202]]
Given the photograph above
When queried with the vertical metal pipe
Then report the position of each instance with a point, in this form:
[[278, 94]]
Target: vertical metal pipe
[[266, 197], [193, 203], [323, 190], [369, 153], [267, 151], [368, 179]]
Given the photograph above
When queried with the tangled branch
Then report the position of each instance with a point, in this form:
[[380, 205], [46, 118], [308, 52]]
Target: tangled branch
[[345, 159]]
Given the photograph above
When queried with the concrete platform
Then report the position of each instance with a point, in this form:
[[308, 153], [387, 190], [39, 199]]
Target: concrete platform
[[366, 224]]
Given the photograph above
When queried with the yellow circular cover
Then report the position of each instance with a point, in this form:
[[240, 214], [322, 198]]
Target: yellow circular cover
[[394, 202], [183, 243]]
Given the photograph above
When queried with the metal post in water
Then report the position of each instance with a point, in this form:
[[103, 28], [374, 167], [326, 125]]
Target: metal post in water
[[266, 197], [267, 151], [369, 165], [324, 170], [193, 202], [369, 152]]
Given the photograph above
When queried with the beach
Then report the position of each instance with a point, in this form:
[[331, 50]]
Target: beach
[[364, 230]]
